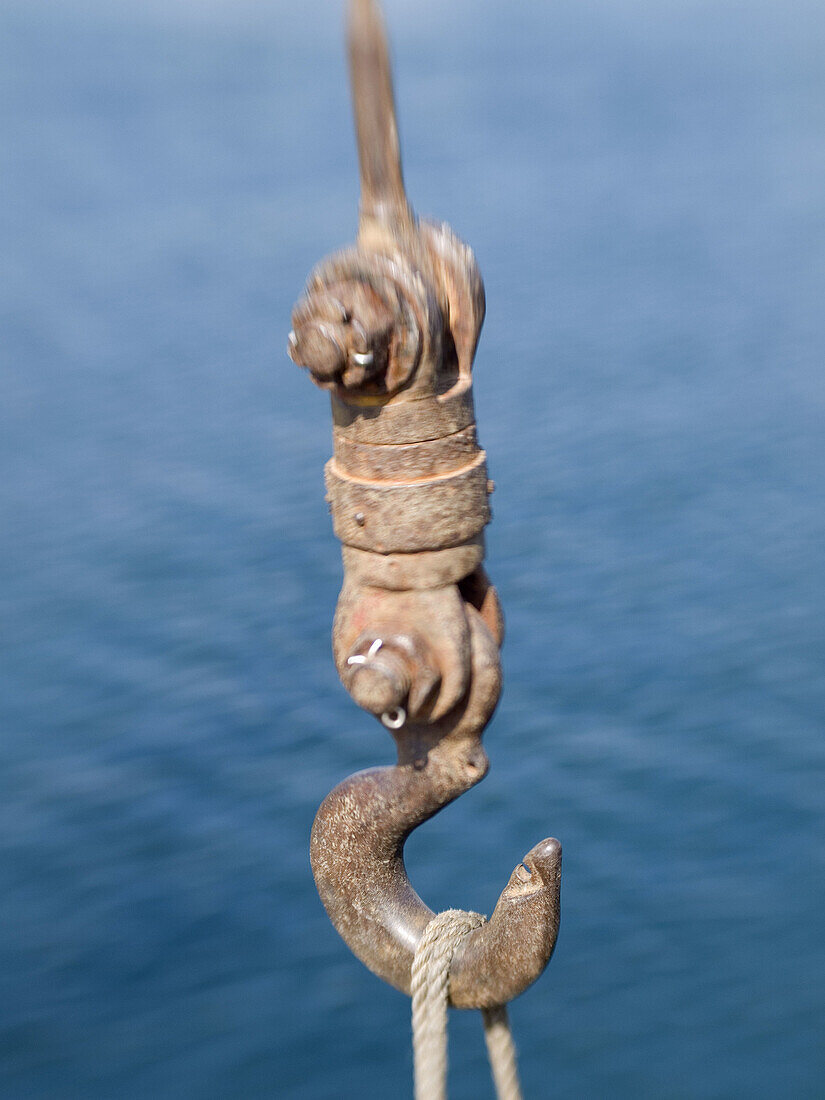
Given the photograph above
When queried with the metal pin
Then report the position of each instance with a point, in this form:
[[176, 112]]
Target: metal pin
[[394, 718]]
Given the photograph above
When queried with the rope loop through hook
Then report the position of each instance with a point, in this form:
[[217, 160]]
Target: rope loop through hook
[[430, 992]]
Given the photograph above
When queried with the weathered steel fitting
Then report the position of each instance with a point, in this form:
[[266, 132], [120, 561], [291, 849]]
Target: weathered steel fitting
[[379, 675], [357, 853], [429, 625], [342, 331], [389, 327]]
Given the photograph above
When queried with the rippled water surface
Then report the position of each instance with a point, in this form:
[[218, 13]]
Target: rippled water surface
[[643, 184]]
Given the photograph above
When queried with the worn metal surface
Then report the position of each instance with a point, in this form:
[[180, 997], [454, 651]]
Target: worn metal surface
[[390, 328]]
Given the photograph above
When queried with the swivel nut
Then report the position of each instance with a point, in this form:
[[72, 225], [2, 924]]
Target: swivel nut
[[341, 333], [379, 680]]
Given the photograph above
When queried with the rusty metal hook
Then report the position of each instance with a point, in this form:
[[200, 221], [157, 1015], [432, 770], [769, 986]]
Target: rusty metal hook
[[357, 854], [390, 328]]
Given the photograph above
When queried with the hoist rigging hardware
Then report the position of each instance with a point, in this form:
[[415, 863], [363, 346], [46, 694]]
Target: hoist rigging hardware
[[389, 327]]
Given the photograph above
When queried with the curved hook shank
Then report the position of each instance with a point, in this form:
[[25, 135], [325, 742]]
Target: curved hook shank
[[361, 878], [357, 854]]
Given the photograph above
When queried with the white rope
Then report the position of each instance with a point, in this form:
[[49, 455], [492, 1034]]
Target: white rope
[[430, 993], [429, 985], [501, 1050]]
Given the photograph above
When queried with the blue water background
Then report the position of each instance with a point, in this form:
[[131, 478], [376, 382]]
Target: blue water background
[[644, 185]]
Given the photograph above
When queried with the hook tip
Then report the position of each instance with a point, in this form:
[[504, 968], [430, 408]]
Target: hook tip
[[545, 857]]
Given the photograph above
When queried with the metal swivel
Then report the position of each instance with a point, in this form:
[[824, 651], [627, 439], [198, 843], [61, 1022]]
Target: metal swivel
[[389, 327]]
